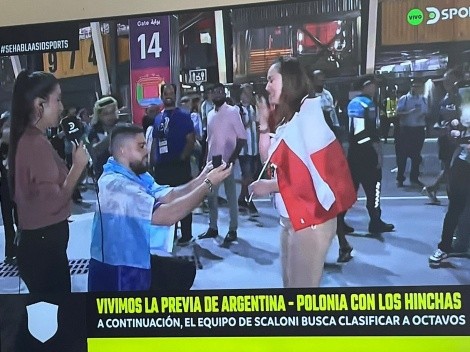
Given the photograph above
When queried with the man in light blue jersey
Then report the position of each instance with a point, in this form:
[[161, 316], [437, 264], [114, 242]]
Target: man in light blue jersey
[[135, 214], [249, 155]]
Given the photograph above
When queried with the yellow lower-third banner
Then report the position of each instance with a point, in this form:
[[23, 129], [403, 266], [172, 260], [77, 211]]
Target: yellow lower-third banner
[[282, 344]]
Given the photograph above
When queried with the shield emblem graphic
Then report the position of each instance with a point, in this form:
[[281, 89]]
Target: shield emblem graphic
[[42, 320]]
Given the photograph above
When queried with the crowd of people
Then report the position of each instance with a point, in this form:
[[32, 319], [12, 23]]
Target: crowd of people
[[151, 177]]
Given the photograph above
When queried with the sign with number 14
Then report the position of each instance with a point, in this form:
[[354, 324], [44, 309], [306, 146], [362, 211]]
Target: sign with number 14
[[149, 42], [150, 61]]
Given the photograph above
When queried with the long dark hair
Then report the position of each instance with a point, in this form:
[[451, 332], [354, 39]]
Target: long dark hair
[[295, 86], [28, 86]]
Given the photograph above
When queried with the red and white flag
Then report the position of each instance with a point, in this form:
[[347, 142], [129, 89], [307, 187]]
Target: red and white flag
[[312, 172]]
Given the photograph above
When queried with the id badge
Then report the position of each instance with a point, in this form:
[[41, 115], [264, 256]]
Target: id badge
[[163, 146]]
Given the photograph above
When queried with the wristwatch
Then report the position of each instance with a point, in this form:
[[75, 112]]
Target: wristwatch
[[209, 184]]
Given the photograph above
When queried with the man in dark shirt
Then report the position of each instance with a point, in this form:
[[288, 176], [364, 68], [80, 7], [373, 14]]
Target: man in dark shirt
[[365, 152], [173, 143]]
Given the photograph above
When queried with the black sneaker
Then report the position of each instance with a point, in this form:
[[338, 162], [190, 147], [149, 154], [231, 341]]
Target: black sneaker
[[182, 242], [344, 255], [252, 209], [380, 226], [210, 233], [231, 237], [242, 205]]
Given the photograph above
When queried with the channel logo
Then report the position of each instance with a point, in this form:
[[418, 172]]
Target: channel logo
[[434, 15], [416, 16]]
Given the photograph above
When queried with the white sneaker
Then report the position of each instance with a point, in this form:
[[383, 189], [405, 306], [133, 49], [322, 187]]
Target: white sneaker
[[437, 257]]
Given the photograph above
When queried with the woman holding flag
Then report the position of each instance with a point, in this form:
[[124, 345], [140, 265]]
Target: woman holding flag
[[311, 181]]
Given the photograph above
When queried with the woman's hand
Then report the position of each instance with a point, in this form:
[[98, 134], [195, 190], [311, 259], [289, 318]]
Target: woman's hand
[[80, 156], [262, 188], [262, 112]]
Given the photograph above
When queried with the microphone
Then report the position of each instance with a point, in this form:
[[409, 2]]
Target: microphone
[[72, 129]]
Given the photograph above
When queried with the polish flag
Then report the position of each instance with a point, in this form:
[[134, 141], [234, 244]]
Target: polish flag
[[312, 172]]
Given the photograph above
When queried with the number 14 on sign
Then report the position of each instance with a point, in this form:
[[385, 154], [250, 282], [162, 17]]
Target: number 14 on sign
[[152, 48]]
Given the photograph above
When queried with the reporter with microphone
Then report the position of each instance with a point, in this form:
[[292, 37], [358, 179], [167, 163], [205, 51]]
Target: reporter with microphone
[[41, 182]]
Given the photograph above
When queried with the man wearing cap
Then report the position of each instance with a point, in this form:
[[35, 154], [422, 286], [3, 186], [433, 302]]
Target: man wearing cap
[[105, 117], [411, 109], [365, 152]]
